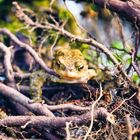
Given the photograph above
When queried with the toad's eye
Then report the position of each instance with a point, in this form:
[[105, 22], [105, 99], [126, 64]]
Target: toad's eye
[[59, 53], [79, 66], [60, 65], [57, 64]]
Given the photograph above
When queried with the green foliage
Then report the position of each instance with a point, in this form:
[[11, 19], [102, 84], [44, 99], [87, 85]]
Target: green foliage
[[138, 57], [41, 3], [1, 1], [94, 7], [71, 25], [121, 53], [12, 26], [84, 48], [136, 78], [123, 56], [117, 45], [129, 60]]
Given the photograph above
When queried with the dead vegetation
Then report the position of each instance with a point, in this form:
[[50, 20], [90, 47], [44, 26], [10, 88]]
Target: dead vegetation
[[71, 111]]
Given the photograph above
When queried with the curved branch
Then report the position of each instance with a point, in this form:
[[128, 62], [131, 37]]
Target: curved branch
[[23, 100], [42, 109], [130, 9], [7, 63], [56, 122], [10, 76], [29, 49], [47, 26]]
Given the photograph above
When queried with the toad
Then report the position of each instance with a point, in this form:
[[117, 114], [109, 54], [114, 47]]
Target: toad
[[69, 64]]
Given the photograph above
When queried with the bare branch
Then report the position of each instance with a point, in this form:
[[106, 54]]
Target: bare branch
[[38, 108], [122, 102], [29, 49], [92, 111], [67, 107], [25, 101], [54, 122], [130, 131], [62, 31], [7, 63], [67, 130], [130, 8], [10, 75]]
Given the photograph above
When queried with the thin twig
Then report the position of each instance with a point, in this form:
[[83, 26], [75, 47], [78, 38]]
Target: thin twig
[[67, 130], [67, 107], [130, 131], [92, 111], [41, 43], [120, 30], [123, 101], [53, 45], [29, 49], [63, 32], [7, 63], [51, 4]]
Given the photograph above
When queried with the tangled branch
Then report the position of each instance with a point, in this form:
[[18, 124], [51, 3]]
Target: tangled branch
[[48, 26], [130, 8], [23, 100], [53, 116], [29, 49]]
